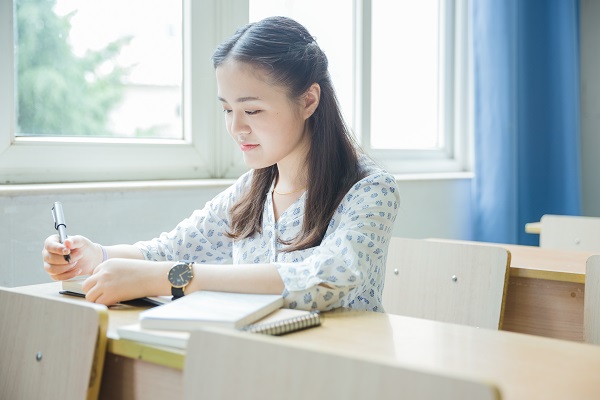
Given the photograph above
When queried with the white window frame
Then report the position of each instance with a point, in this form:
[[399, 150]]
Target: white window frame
[[198, 155], [454, 89], [207, 151]]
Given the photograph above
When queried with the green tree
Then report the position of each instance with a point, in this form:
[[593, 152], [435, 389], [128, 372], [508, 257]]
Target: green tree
[[58, 92]]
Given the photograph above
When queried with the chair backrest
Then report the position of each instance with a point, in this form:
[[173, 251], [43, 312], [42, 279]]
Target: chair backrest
[[570, 232], [240, 365], [450, 282], [50, 348], [591, 308]]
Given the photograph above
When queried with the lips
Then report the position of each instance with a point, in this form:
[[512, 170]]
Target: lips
[[248, 147]]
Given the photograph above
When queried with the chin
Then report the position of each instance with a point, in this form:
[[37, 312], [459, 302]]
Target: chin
[[256, 164]]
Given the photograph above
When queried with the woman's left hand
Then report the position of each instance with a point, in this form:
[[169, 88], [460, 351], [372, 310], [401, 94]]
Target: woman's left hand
[[121, 279]]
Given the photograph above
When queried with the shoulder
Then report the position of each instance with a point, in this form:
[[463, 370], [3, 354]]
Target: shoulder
[[242, 184], [233, 193], [377, 188], [374, 175]]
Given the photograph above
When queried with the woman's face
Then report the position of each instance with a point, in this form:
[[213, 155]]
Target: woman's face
[[264, 122]]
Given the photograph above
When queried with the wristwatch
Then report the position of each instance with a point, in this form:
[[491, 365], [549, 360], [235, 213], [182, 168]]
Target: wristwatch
[[180, 276]]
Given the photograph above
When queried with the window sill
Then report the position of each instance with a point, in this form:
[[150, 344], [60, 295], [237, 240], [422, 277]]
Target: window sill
[[434, 176], [91, 187]]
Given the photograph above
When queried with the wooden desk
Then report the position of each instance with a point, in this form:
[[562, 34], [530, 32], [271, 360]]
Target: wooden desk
[[546, 290], [523, 366]]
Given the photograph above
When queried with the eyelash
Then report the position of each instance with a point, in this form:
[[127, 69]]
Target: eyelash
[[247, 112]]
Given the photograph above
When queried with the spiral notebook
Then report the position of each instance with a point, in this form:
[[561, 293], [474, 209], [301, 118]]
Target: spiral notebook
[[283, 326], [279, 322]]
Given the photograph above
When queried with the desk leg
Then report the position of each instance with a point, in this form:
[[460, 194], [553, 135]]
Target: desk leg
[[129, 379], [544, 308]]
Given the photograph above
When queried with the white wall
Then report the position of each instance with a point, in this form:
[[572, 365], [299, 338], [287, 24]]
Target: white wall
[[105, 216], [437, 208]]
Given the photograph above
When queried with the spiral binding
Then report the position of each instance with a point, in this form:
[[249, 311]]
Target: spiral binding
[[287, 325]]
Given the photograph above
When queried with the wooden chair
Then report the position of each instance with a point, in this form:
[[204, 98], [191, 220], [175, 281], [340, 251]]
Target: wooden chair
[[50, 348], [570, 232], [240, 365], [591, 308], [445, 281]]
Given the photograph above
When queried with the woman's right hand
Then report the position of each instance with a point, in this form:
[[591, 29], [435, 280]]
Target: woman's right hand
[[85, 256]]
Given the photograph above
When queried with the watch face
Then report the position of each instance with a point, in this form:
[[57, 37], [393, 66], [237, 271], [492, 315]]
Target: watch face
[[180, 275]]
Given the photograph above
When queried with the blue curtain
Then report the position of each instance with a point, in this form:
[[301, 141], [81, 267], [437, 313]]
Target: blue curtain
[[526, 115]]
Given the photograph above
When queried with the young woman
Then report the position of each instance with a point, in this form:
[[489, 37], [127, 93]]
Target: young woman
[[311, 219]]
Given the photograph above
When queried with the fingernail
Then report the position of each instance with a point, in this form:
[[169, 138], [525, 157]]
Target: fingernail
[[79, 272], [65, 251]]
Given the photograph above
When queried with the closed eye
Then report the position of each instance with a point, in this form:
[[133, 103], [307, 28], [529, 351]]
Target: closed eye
[[253, 112]]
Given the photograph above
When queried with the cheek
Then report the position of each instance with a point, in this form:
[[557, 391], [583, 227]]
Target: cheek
[[228, 125]]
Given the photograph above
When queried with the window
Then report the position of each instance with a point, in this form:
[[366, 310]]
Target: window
[[414, 77], [84, 70], [179, 144], [142, 101], [399, 70], [405, 81]]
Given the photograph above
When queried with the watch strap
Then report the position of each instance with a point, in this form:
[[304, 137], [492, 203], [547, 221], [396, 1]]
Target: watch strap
[[177, 292]]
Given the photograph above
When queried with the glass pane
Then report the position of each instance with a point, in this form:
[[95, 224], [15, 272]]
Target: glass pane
[[337, 43], [405, 78], [106, 68]]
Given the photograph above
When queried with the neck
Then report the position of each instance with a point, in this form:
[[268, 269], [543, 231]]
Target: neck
[[291, 174]]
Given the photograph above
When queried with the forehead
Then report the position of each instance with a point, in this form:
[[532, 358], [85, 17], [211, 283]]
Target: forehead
[[237, 79]]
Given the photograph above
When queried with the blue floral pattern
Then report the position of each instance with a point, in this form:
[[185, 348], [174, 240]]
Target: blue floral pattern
[[346, 270]]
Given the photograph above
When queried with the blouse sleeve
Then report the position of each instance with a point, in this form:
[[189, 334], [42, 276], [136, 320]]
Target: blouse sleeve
[[200, 237], [348, 268]]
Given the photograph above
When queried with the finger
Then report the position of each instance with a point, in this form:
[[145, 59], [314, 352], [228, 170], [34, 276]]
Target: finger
[[96, 293], [60, 260], [104, 299], [53, 246], [75, 242], [91, 290], [98, 268], [89, 284], [60, 275]]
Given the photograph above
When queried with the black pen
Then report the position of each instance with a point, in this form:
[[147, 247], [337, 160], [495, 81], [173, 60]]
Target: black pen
[[60, 224]]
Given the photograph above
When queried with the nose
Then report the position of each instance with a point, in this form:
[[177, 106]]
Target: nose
[[238, 125]]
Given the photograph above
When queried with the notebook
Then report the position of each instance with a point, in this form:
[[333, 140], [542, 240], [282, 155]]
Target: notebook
[[304, 320], [280, 322], [72, 287], [202, 308]]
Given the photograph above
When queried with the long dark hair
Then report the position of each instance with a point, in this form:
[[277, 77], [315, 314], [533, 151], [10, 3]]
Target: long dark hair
[[290, 56]]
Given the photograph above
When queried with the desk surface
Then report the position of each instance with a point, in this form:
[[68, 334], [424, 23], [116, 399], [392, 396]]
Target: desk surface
[[542, 263], [523, 366]]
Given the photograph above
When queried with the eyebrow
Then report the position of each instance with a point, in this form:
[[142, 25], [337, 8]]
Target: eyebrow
[[241, 99]]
